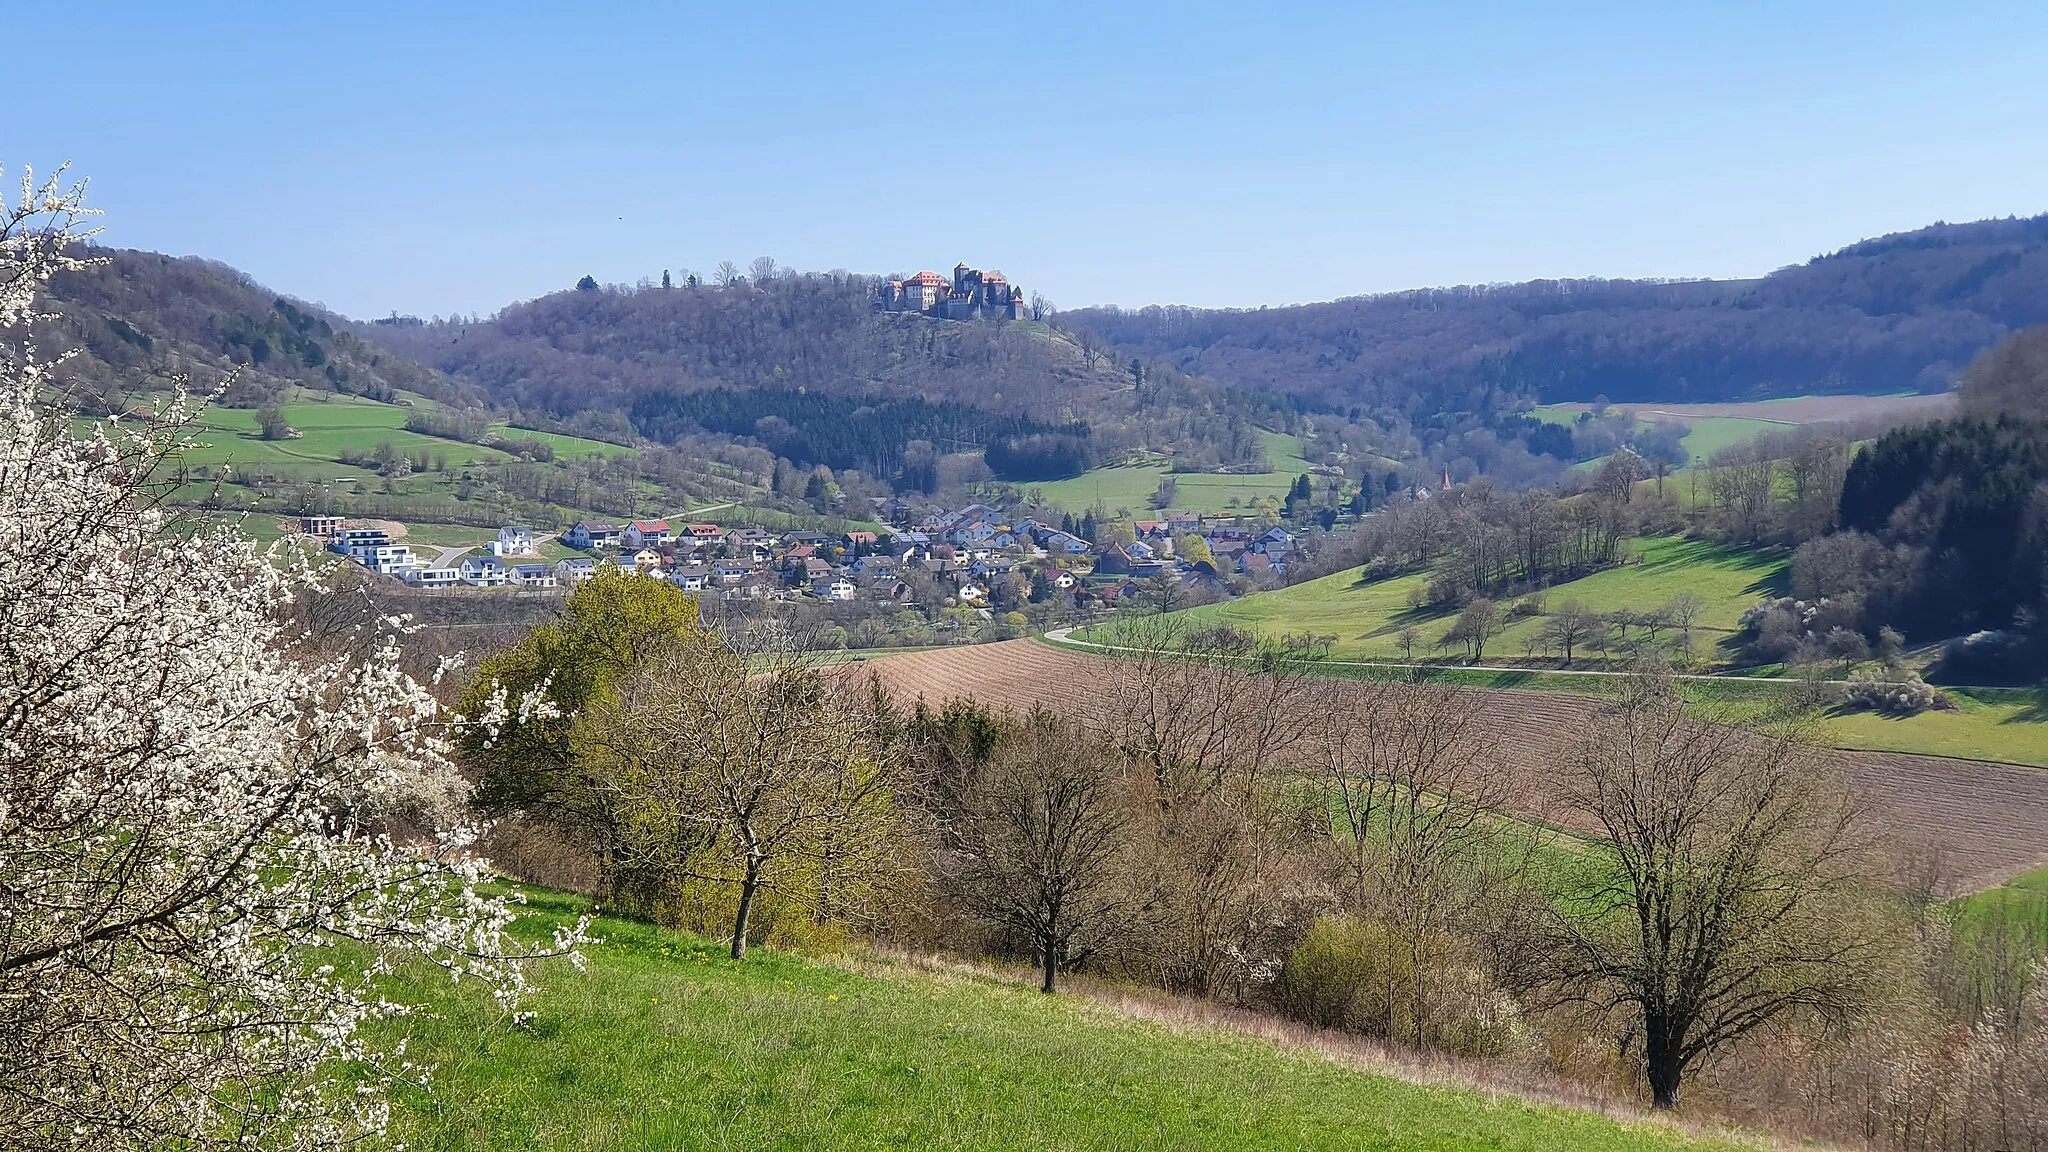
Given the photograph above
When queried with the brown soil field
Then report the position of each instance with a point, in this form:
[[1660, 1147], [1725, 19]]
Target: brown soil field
[[1986, 822]]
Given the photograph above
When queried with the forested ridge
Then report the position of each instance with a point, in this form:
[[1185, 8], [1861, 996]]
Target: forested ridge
[[1900, 312], [139, 319]]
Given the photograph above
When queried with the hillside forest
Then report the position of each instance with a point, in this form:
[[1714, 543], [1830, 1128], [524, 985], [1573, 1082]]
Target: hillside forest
[[789, 363]]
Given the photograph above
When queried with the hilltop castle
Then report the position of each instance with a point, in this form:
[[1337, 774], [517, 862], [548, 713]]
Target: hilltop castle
[[972, 294]]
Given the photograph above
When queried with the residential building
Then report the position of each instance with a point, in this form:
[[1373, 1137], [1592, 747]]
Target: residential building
[[575, 569], [424, 577], [534, 575], [513, 541], [589, 534], [346, 540], [484, 572], [643, 533], [320, 526]]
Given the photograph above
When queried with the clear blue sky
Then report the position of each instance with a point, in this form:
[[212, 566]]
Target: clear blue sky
[[381, 156]]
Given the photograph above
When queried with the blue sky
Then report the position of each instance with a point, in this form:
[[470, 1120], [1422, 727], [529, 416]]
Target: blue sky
[[434, 158]]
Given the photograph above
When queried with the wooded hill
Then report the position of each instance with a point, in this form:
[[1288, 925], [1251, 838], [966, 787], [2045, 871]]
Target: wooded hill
[[1905, 311], [139, 319], [649, 355]]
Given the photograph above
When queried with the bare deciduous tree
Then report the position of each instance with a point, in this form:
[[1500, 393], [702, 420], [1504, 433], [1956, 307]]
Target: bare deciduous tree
[[1038, 840], [1729, 889], [1420, 794]]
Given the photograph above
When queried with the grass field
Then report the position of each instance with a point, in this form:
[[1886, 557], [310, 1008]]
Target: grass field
[[334, 425], [2009, 725], [1708, 434], [1368, 618], [1131, 488], [664, 1043], [2005, 725]]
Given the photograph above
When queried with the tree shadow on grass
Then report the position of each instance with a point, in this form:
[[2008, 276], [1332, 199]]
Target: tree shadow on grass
[[2035, 711], [1775, 583]]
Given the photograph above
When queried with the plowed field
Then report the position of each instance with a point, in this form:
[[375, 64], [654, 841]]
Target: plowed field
[[1989, 822]]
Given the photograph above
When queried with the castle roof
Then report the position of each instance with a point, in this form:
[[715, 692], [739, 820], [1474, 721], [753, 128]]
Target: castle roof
[[932, 279]]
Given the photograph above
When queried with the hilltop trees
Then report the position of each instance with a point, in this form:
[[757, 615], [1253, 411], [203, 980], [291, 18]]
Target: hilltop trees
[[217, 836]]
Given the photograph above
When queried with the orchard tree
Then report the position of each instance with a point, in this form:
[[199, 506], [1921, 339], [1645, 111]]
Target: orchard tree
[[216, 834]]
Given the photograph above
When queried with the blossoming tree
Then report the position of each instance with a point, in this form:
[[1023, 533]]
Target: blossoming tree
[[200, 888]]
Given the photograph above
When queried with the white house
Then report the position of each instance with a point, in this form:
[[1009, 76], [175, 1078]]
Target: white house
[[645, 533], [841, 589], [513, 541], [432, 577], [484, 572], [589, 534], [533, 575], [384, 559], [972, 593], [575, 568]]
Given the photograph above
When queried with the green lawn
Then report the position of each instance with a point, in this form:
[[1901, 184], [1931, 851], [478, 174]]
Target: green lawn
[[2010, 725], [1131, 488], [1368, 617], [566, 447], [1707, 435], [666, 1044]]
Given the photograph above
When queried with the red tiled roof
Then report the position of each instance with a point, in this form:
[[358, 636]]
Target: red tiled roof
[[646, 526], [929, 278]]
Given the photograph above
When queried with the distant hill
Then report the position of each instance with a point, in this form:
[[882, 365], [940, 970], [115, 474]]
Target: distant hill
[[141, 318], [573, 350], [653, 354], [1901, 312]]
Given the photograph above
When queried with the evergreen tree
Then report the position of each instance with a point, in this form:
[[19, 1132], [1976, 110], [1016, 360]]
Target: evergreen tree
[[665, 284]]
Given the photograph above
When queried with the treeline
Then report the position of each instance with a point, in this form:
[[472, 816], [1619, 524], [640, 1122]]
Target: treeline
[[1480, 541], [870, 433], [1902, 312], [1935, 531], [140, 320], [1219, 821]]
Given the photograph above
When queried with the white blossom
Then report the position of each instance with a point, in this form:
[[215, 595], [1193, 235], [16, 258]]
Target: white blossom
[[199, 893]]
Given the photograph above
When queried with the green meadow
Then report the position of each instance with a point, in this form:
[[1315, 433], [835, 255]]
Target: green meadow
[[666, 1043], [1131, 487], [1368, 617], [1707, 435]]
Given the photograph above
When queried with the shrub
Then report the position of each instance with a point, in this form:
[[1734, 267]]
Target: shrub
[[1358, 974], [1908, 695]]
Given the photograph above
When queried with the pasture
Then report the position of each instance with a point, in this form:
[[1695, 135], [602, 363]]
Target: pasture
[[1131, 487], [332, 426], [1368, 617], [665, 1042]]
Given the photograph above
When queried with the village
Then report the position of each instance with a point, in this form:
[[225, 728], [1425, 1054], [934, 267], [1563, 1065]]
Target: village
[[976, 556]]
